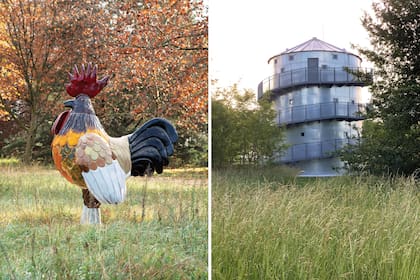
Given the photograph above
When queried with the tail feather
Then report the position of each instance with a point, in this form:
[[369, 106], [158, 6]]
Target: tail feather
[[151, 145], [151, 142], [153, 132], [151, 155], [165, 124]]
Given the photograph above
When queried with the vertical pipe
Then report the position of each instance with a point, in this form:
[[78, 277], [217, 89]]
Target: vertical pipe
[[348, 109], [291, 114], [292, 158], [335, 109], [291, 77]]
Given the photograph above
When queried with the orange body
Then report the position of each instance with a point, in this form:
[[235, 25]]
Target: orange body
[[64, 154]]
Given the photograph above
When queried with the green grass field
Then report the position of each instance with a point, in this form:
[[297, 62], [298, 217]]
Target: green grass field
[[159, 232], [267, 226]]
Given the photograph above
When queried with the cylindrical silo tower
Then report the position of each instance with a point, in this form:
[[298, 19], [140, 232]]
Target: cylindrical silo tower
[[319, 100]]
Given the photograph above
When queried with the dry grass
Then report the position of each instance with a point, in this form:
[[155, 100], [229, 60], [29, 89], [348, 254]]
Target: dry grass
[[41, 237]]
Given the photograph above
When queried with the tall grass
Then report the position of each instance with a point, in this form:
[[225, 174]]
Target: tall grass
[[330, 228], [163, 238]]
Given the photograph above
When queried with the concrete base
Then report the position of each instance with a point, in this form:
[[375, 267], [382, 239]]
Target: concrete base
[[320, 167]]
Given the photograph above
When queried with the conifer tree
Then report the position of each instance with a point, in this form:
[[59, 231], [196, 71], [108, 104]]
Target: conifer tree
[[391, 135]]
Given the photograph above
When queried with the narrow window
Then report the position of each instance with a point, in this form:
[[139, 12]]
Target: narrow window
[[291, 101], [282, 69], [275, 61], [302, 134]]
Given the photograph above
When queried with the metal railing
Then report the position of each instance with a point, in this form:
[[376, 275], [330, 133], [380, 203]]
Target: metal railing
[[314, 76], [315, 150], [321, 111]]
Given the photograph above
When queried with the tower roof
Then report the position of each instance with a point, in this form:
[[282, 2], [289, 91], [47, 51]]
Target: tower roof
[[314, 44]]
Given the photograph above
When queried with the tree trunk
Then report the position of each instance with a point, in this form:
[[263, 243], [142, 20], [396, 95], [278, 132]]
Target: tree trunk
[[30, 139]]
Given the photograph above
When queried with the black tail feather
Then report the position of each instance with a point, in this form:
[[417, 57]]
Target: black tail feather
[[152, 156], [152, 142], [151, 145]]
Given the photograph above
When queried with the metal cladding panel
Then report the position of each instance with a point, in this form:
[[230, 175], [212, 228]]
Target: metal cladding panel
[[318, 141], [320, 131], [317, 95], [293, 61]]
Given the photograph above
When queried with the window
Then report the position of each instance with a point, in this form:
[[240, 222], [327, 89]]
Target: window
[[302, 134], [291, 57], [282, 69], [334, 56], [275, 61], [324, 66], [291, 101], [335, 100]]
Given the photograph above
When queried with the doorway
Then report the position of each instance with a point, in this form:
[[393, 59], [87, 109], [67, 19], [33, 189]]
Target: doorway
[[313, 70]]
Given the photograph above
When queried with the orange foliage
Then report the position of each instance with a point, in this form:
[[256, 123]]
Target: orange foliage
[[155, 50], [161, 57]]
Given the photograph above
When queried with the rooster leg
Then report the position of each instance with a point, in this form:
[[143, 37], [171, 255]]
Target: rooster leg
[[91, 213]]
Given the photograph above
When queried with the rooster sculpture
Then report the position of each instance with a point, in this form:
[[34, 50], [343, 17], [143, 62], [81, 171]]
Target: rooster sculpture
[[99, 164]]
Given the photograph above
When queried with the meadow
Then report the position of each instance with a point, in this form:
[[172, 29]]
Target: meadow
[[266, 225], [158, 232]]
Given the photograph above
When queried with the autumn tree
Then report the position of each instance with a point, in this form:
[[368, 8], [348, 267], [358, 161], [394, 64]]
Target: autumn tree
[[160, 51], [39, 41], [391, 136], [156, 52]]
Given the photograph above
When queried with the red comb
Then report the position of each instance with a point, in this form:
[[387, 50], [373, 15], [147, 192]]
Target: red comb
[[85, 82]]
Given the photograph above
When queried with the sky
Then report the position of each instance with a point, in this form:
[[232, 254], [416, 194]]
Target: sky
[[243, 35]]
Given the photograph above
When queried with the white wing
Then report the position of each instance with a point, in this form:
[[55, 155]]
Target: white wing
[[102, 173], [107, 183]]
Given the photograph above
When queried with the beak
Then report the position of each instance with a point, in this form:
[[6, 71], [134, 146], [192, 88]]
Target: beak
[[69, 103]]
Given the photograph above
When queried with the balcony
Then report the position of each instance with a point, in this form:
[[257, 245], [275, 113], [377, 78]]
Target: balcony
[[282, 82], [322, 111], [315, 150]]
